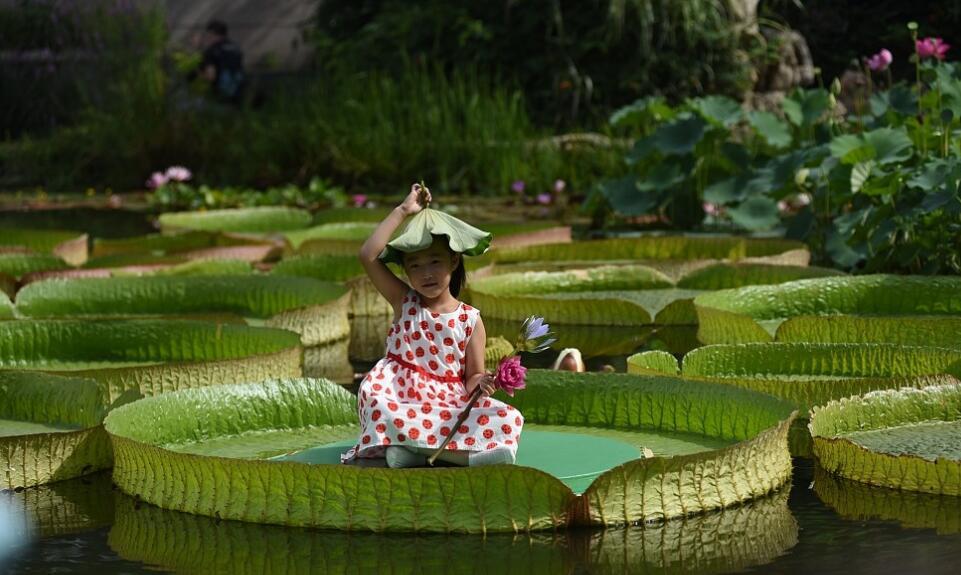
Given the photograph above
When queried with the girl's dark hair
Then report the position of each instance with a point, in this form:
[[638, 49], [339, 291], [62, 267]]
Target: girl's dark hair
[[458, 278]]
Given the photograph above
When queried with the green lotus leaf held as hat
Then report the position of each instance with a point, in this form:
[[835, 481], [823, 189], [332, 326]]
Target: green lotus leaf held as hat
[[420, 231]]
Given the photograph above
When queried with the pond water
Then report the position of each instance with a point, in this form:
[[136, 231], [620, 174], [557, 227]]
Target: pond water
[[817, 524]]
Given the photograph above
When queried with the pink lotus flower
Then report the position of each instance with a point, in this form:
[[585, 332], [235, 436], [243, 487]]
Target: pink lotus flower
[[359, 200], [510, 375], [783, 206], [880, 61], [544, 199], [178, 174], [711, 209], [157, 180], [559, 186], [518, 186], [931, 48]]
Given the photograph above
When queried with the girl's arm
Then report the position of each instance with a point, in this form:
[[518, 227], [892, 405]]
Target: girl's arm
[[389, 285], [474, 373]]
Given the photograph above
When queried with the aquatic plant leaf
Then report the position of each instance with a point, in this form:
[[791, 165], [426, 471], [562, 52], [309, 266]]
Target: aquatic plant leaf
[[240, 220], [653, 362], [419, 234], [356, 231], [60, 434], [771, 128], [19, 264], [316, 310], [926, 461], [70, 246], [931, 331]]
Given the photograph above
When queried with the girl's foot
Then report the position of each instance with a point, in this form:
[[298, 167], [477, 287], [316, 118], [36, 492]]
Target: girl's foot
[[399, 456], [499, 456]]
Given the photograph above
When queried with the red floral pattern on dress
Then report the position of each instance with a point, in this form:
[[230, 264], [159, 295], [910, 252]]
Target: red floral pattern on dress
[[421, 391]]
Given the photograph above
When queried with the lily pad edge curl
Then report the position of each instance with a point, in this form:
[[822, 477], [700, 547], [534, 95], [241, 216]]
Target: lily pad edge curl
[[475, 500]]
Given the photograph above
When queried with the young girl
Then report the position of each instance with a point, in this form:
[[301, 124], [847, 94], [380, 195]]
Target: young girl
[[435, 360]]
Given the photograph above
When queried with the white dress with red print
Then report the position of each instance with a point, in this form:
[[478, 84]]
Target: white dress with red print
[[414, 395]]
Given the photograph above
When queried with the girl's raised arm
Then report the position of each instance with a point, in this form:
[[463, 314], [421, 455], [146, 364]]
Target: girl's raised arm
[[389, 285]]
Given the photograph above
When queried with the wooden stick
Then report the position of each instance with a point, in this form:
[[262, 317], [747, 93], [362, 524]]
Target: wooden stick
[[460, 420]]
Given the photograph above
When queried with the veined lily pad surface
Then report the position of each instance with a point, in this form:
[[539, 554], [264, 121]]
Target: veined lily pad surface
[[751, 314], [314, 309], [213, 455], [50, 428], [365, 299], [906, 439], [720, 542], [242, 220], [68, 245], [858, 501], [618, 294], [150, 356]]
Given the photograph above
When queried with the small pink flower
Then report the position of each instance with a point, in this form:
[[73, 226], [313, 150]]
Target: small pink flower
[[559, 186], [518, 186], [359, 200], [711, 209], [544, 199], [931, 48], [157, 180], [510, 375], [880, 61], [178, 174], [803, 199], [783, 206]]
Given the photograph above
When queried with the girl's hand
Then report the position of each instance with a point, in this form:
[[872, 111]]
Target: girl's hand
[[416, 200], [487, 385]]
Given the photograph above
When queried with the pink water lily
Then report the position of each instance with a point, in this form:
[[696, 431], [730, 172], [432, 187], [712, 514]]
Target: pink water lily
[[880, 61], [544, 199], [510, 375], [518, 186], [559, 186], [711, 209], [178, 174], [157, 180], [359, 200], [931, 48]]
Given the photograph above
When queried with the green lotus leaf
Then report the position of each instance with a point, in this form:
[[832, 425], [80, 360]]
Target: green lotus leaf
[[427, 223], [335, 215], [6, 306], [729, 540], [857, 501], [365, 300], [753, 313], [933, 331], [727, 276], [150, 356], [187, 268], [50, 428], [70, 246], [67, 507], [243, 220], [314, 309], [655, 362], [17, 265], [355, 231], [904, 439], [729, 446], [169, 243], [657, 248]]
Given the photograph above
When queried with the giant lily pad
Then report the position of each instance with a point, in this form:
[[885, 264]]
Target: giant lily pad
[[858, 501], [17, 265], [150, 356], [365, 300], [316, 236], [50, 428], [213, 267], [809, 374], [69, 246], [314, 309], [752, 314], [618, 295], [6, 306], [721, 542], [243, 220], [214, 456], [906, 439]]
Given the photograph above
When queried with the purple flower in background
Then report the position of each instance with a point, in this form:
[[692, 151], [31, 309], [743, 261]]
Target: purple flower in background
[[559, 186], [518, 186], [178, 174], [931, 48], [544, 199], [880, 61], [157, 180], [359, 200]]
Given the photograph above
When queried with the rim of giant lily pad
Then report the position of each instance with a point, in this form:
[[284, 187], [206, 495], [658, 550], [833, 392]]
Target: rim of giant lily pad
[[419, 234]]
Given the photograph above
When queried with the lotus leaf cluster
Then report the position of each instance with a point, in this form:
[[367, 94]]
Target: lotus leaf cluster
[[151, 440], [316, 310], [50, 428], [150, 356], [905, 439], [243, 220], [70, 246], [618, 295], [365, 300], [872, 308], [721, 542]]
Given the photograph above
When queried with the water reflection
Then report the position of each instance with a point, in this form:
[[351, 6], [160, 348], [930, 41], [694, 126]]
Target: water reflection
[[368, 336], [329, 360], [66, 506], [720, 542]]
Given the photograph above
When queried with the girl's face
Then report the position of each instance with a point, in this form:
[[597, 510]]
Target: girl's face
[[429, 270]]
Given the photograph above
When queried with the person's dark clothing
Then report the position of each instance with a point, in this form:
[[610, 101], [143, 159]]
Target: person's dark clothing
[[228, 62]]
